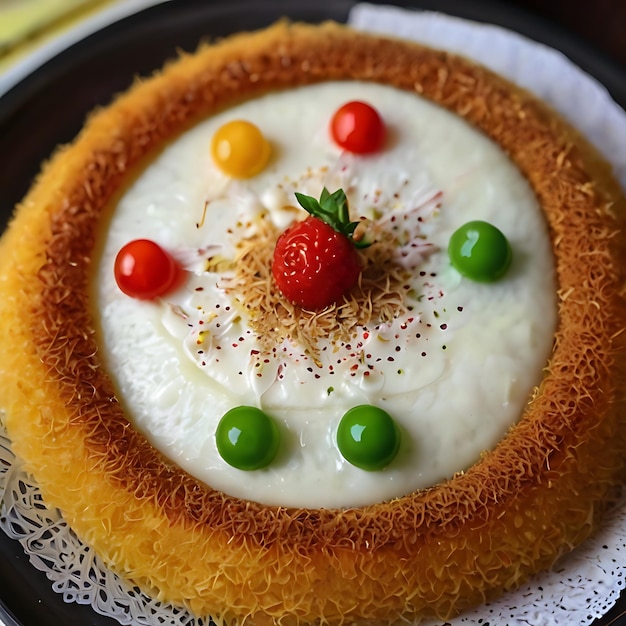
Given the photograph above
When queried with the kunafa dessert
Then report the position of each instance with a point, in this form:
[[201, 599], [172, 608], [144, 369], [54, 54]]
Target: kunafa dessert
[[317, 326]]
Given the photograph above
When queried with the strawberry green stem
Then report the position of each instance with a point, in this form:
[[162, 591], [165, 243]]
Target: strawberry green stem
[[333, 209]]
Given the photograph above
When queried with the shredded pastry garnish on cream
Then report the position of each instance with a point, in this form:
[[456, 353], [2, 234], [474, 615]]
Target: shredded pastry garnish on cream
[[380, 294]]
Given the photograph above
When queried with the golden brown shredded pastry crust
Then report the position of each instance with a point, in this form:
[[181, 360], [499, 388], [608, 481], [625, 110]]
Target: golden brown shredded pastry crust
[[433, 552]]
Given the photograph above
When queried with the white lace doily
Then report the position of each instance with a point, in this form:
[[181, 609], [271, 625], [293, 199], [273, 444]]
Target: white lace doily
[[74, 569], [584, 586]]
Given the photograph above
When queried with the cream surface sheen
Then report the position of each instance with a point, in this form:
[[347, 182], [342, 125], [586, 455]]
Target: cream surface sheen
[[455, 371]]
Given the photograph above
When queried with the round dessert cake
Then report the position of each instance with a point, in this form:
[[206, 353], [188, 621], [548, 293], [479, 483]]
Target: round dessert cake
[[320, 327]]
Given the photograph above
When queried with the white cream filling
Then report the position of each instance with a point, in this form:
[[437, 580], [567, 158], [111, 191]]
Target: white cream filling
[[454, 390]]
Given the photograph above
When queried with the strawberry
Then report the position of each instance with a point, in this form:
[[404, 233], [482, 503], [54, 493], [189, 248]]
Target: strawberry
[[316, 260]]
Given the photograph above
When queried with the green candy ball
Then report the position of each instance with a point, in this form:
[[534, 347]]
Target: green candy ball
[[247, 438], [368, 437], [480, 251]]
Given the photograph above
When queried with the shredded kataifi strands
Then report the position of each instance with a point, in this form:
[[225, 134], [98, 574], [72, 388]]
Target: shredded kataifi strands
[[539, 493], [380, 295]]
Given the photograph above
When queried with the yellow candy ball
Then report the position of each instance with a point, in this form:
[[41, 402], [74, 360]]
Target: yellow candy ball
[[239, 149]]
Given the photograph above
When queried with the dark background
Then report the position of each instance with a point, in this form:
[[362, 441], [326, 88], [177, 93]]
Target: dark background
[[602, 23]]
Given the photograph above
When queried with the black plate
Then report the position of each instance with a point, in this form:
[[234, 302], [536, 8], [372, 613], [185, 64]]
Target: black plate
[[49, 107]]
